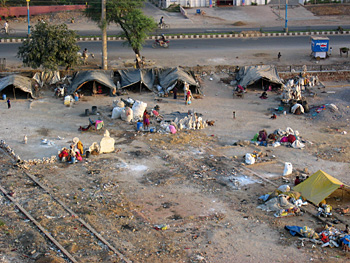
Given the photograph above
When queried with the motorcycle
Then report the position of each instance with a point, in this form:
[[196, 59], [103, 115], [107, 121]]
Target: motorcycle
[[160, 43]]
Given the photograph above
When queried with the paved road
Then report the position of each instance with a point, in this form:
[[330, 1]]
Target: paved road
[[202, 51]]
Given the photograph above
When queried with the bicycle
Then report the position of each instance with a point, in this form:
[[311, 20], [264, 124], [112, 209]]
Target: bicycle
[[10, 31], [163, 25]]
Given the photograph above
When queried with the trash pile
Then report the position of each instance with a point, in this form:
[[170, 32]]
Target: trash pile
[[328, 236], [283, 202]]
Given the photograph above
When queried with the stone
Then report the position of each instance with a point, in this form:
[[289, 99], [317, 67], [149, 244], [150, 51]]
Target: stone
[[107, 143]]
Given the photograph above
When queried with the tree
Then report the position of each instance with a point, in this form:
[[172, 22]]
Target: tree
[[129, 16], [50, 46]]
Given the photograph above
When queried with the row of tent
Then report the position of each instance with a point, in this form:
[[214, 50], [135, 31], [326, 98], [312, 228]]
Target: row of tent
[[23, 87]]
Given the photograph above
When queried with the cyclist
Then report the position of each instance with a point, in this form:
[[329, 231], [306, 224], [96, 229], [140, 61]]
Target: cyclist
[[161, 22]]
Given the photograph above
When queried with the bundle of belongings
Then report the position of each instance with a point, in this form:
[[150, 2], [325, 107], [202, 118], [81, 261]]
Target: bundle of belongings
[[74, 153], [327, 236], [283, 202], [93, 126], [289, 137], [295, 86], [189, 121]]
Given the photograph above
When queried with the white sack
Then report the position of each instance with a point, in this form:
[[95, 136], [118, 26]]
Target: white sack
[[117, 112], [288, 169], [249, 159]]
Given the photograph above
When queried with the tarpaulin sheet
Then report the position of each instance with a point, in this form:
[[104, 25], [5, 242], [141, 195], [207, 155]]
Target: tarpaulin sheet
[[132, 76], [248, 75], [104, 77], [167, 77], [19, 82], [318, 187]]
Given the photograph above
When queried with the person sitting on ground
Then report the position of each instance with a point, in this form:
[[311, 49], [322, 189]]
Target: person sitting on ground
[[297, 180], [347, 229], [263, 95]]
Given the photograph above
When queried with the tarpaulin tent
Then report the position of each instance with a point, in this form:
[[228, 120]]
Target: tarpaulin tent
[[318, 186], [248, 75], [16, 86], [103, 77], [170, 76], [130, 77]]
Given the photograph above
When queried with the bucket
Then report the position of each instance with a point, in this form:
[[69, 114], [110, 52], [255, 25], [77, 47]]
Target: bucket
[[139, 126], [4, 96], [87, 112], [87, 154], [76, 98], [93, 110]]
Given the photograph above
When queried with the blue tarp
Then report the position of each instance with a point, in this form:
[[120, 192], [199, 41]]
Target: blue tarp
[[293, 230]]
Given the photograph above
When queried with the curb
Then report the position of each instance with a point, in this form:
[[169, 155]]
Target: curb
[[223, 35]]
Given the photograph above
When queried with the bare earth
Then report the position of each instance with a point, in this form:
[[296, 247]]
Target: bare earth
[[181, 180]]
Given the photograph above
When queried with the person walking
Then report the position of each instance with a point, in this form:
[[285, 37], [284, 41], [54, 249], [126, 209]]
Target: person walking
[[279, 56], [8, 104], [6, 27]]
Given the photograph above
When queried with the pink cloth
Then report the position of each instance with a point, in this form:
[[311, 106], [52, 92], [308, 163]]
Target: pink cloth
[[284, 139], [172, 129]]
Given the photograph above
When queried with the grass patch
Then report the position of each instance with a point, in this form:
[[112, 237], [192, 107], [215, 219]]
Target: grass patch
[[173, 8]]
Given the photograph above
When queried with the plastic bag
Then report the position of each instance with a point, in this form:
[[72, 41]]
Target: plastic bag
[[284, 188], [249, 159], [288, 169]]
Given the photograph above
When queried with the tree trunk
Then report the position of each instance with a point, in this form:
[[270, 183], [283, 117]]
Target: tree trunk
[[138, 58], [104, 36]]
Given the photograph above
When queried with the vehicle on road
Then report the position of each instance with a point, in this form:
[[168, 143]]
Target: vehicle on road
[[163, 25], [11, 31], [161, 43]]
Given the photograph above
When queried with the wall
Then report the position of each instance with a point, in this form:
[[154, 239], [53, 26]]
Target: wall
[[37, 10]]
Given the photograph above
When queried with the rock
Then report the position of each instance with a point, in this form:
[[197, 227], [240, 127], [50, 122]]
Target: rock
[[107, 143]]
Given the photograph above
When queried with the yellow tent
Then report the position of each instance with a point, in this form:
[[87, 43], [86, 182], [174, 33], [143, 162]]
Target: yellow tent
[[318, 186]]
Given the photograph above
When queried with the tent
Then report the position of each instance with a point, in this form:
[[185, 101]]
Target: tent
[[248, 75], [318, 186], [89, 78], [16, 86], [170, 76], [130, 77]]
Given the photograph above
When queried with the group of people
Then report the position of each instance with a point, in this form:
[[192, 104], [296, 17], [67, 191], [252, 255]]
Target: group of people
[[187, 93], [74, 153]]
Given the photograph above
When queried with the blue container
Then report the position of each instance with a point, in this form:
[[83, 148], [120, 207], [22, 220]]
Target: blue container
[[139, 126], [198, 11], [152, 130], [76, 98], [4, 96]]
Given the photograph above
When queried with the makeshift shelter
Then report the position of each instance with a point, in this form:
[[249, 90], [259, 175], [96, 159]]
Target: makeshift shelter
[[137, 78], [17, 87], [92, 82], [266, 74], [319, 186], [47, 77], [170, 77]]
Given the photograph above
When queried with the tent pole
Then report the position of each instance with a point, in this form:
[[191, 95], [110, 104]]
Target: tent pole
[[14, 92], [140, 86]]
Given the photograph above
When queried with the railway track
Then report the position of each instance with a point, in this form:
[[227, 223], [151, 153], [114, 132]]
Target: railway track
[[69, 233]]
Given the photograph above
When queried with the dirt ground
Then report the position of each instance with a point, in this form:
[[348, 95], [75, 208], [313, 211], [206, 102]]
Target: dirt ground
[[183, 181]]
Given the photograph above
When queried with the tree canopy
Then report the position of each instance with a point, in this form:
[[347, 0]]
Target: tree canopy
[[50, 46], [128, 14]]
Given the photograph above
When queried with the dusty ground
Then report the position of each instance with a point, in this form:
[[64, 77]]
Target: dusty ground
[[182, 180]]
